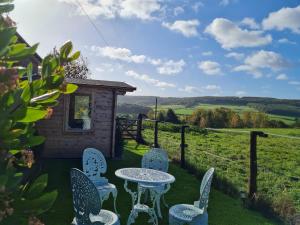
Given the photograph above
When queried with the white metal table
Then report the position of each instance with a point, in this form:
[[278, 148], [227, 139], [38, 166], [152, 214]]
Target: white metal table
[[146, 177]]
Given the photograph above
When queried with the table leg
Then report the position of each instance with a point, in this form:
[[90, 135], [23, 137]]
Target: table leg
[[156, 196], [132, 193]]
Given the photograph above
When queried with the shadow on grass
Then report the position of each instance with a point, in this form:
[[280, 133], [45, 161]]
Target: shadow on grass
[[223, 210]]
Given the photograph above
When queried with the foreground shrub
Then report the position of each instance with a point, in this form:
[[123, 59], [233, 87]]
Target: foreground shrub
[[25, 100]]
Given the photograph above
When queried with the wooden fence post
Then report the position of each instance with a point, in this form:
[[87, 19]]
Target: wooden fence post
[[156, 134], [253, 163], [183, 146], [139, 136]]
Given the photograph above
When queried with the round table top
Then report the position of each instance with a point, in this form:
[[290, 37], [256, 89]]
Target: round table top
[[145, 176]]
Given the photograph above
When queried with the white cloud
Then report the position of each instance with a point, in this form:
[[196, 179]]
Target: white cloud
[[122, 54], [240, 93], [248, 69], [154, 62], [208, 53], [107, 67], [212, 87], [285, 18], [171, 67], [250, 22], [188, 28], [235, 55], [262, 60], [227, 2], [282, 77], [178, 10], [286, 41], [208, 88], [166, 67], [189, 89], [294, 82], [210, 67], [109, 9], [146, 78], [229, 35], [266, 59], [197, 6]]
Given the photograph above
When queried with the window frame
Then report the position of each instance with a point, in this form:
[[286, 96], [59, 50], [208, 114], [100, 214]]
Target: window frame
[[67, 108]]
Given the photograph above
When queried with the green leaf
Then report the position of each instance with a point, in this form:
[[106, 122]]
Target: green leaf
[[70, 88], [14, 152], [6, 36], [25, 53], [36, 206], [29, 72], [37, 187], [35, 141], [32, 115], [53, 82], [14, 180], [66, 49], [16, 48], [6, 8], [75, 56], [26, 94]]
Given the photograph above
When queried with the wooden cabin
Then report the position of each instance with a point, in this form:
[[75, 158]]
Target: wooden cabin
[[86, 118]]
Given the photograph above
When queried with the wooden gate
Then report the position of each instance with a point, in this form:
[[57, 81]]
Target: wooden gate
[[131, 129]]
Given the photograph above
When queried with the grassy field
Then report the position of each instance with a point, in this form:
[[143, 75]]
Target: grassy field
[[182, 110], [223, 210], [278, 161]]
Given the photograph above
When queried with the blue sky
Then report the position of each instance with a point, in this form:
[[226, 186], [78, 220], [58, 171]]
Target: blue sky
[[177, 48]]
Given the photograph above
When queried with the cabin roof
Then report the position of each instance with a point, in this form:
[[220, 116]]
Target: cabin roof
[[102, 83]]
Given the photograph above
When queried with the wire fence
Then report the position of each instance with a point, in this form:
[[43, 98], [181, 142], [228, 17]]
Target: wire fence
[[228, 151]]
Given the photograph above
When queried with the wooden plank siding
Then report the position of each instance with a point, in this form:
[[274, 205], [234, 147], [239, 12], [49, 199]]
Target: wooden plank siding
[[61, 143]]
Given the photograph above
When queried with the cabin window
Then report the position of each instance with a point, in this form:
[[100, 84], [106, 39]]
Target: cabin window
[[79, 117]]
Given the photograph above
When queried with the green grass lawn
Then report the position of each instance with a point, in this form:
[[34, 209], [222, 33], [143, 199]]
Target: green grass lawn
[[278, 159], [223, 210]]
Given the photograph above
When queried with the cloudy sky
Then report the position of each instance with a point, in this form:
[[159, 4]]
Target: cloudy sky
[[176, 48]]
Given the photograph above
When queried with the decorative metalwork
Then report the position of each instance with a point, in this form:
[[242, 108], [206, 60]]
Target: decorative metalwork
[[94, 164], [156, 159], [193, 214], [150, 178], [87, 202]]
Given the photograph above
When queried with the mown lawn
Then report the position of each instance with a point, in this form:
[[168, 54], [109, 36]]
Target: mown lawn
[[223, 210]]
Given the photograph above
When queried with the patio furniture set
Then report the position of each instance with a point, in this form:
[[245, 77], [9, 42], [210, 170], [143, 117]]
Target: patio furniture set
[[90, 189]]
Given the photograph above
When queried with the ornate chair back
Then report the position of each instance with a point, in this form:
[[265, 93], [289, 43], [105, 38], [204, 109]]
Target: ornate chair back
[[156, 159], [205, 189], [86, 199], [94, 164]]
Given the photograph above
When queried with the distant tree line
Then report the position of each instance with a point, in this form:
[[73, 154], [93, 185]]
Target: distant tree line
[[220, 118], [165, 116], [227, 118]]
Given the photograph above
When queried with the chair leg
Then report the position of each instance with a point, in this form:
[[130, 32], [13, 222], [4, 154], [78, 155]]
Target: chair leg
[[146, 195], [133, 215], [153, 217], [157, 199], [164, 201], [115, 195]]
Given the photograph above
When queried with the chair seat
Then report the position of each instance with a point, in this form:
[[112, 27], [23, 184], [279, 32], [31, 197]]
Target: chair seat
[[185, 212], [106, 186], [105, 216]]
